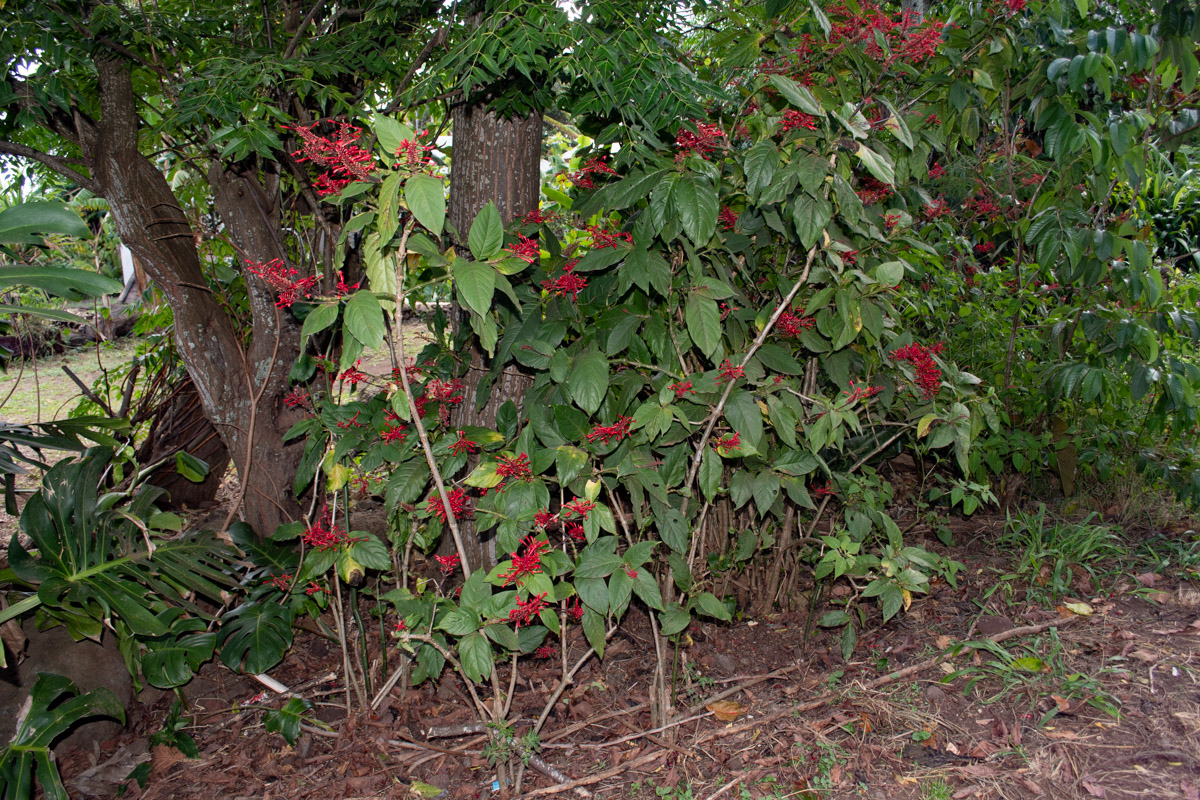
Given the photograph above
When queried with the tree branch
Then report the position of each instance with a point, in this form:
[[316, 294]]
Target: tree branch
[[436, 40], [55, 163], [290, 50]]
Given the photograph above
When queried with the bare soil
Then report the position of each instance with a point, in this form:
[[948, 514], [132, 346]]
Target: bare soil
[[913, 714]]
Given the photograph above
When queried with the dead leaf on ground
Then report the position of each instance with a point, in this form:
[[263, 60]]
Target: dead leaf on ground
[[1161, 598], [1061, 702], [1092, 788], [1143, 655], [727, 710], [1056, 734], [1190, 792], [943, 642], [1147, 578]]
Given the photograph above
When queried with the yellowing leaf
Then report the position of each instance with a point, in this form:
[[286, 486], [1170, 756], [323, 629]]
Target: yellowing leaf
[[1082, 609], [907, 595], [727, 710], [923, 425]]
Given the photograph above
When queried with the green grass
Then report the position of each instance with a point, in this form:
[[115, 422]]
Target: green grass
[[38, 390]]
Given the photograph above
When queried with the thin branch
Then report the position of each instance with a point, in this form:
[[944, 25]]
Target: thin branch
[[55, 163], [436, 40], [290, 50]]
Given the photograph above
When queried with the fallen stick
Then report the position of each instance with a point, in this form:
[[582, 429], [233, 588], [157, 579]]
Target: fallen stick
[[640, 761]]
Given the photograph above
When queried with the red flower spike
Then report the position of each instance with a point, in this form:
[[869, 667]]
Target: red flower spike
[[543, 518], [352, 375], [578, 506], [528, 564], [791, 325], [680, 389], [566, 285], [728, 218], [575, 531], [516, 468], [394, 434], [729, 443], [608, 433], [527, 611], [463, 445], [929, 375], [460, 505], [796, 120], [730, 372], [297, 398], [448, 564], [546, 651], [525, 249]]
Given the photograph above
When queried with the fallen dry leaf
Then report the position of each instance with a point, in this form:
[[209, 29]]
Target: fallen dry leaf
[[727, 710], [1063, 703], [943, 642], [1146, 578], [1094, 789], [1158, 597], [1082, 609], [1143, 655], [1190, 792], [1051, 733]]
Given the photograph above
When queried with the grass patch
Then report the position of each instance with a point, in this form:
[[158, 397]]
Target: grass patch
[[37, 390]]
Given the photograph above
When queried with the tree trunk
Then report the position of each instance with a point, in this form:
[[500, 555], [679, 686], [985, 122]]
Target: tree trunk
[[239, 391], [498, 160]]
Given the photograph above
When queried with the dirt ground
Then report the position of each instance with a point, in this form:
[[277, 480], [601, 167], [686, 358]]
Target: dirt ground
[[1044, 702]]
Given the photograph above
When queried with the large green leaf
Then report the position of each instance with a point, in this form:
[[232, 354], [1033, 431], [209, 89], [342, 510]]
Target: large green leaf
[[426, 199], [476, 282], [811, 215], [797, 95], [22, 224], [761, 162], [364, 319], [704, 323], [588, 380], [72, 284], [255, 635], [696, 201], [391, 133], [487, 233]]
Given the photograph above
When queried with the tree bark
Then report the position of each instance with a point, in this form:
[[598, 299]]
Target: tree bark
[[239, 391], [499, 160]]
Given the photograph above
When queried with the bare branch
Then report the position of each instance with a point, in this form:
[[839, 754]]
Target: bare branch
[[55, 163], [437, 40], [290, 50]]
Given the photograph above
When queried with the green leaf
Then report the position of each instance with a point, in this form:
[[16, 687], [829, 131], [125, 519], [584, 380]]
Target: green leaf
[[388, 221], [696, 200], [190, 467], [811, 215], [703, 319], [475, 652], [286, 721], [255, 635], [487, 233], [890, 273], [588, 380], [674, 619], [426, 199], [834, 619], [877, 164], [22, 223], [319, 319], [391, 133], [364, 320], [713, 607], [476, 282], [593, 629], [71, 284], [761, 162], [797, 95]]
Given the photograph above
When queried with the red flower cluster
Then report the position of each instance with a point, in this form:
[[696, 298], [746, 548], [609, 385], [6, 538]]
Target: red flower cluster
[[798, 120], [515, 468], [580, 507], [680, 389], [526, 249], [983, 248], [544, 518], [891, 220], [702, 142], [282, 279], [353, 422], [937, 170], [394, 434], [297, 398], [608, 433], [929, 376], [344, 288], [460, 505], [872, 191], [730, 372], [526, 612], [823, 491], [575, 610], [1014, 6], [595, 165], [448, 564], [730, 442], [322, 536], [528, 564], [339, 153], [315, 588], [728, 218], [575, 531], [538, 217], [463, 445], [281, 582], [936, 209], [568, 284], [413, 156], [858, 392], [546, 651], [790, 324], [352, 375], [908, 38], [602, 237]]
